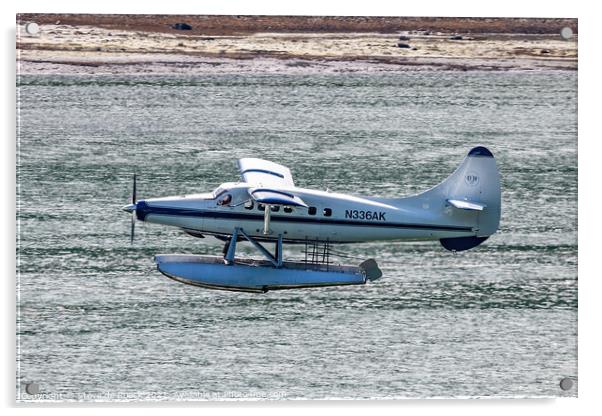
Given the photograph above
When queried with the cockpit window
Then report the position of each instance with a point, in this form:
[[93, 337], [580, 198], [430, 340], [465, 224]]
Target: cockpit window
[[225, 200]]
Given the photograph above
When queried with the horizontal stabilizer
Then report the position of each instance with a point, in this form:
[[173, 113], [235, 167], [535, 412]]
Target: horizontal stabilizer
[[472, 206], [276, 197]]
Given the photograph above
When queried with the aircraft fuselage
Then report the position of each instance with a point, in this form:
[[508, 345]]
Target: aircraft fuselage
[[332, 217]]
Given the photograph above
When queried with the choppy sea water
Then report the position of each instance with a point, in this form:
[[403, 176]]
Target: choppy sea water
[[96, 321]]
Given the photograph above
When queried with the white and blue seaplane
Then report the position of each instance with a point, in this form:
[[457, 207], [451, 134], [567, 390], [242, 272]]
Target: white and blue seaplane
[[267, 208]]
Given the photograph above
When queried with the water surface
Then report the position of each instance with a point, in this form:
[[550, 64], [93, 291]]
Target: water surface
[[97, 321]]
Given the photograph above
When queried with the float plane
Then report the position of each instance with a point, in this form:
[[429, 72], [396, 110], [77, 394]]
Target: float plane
[[266, 207]]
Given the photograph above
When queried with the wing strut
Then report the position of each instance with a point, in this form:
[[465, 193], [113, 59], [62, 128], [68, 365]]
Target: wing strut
[[266, 219]]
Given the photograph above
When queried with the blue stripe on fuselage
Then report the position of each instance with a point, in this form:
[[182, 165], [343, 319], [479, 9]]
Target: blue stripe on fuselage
[[143, 209]]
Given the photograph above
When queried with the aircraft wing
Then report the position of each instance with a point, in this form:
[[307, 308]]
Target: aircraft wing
[[272, 183], [265, 174], [276, 197]]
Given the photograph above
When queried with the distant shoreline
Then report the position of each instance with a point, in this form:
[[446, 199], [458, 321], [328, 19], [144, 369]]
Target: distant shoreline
[[214, 44]]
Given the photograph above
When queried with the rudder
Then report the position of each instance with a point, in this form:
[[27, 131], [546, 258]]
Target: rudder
[[473, 188]]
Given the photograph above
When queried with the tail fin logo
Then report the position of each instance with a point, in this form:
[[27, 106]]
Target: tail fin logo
[[471, 179]]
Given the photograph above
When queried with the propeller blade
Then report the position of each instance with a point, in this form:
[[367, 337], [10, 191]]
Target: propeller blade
[[132, 208], [133, 227], [134, 191]]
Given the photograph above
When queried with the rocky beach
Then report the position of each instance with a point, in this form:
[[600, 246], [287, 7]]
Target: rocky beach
[[126, 44]]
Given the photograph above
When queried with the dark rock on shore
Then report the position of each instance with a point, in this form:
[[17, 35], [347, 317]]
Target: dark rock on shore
[[182, 26]]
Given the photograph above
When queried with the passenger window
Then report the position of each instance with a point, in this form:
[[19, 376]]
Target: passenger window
[[312, 211], [261, 207], [249, 204], [327, 212], [275, 208], [288, 210]]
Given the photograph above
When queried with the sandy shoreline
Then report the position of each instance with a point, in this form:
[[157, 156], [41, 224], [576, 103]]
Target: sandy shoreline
[[64, 48]]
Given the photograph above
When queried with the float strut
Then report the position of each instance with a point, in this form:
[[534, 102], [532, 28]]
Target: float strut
[[279, 251], [232, 247], [275, 260]]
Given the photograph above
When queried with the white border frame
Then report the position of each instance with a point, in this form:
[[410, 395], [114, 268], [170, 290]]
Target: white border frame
[[589, 195]]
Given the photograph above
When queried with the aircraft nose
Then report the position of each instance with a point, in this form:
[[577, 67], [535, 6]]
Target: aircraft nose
[[129, 208]]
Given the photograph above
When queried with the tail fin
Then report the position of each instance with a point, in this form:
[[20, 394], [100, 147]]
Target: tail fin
[[472, 192]]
